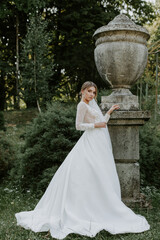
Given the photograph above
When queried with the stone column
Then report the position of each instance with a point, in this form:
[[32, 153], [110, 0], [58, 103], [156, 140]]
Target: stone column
[[120, 57], [124, 131]]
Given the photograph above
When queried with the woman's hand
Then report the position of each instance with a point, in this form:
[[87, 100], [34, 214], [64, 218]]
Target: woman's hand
[[103, 124], [114, 107], [100, 125]]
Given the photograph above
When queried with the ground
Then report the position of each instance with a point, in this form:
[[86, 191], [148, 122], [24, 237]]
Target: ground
[[12, 200]]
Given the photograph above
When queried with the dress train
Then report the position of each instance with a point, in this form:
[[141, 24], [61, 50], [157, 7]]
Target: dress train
[[84, 195]]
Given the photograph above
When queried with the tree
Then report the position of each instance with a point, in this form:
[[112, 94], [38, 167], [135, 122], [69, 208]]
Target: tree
[[13, 16], [37, 63], [10, 34], [74, 23]]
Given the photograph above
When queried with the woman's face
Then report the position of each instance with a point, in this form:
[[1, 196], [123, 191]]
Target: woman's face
[[89, 93]]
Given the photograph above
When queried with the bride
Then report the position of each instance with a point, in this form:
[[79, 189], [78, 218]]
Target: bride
[[84, 195]]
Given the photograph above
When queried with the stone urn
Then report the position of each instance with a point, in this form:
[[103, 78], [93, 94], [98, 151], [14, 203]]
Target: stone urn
[[120, 57]]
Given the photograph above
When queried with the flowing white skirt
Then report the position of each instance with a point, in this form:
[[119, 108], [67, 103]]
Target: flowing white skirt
[[84, 196]]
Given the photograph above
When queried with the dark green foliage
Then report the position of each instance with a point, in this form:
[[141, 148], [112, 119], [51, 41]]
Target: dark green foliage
[[150, 154], [7, 155], [36, 63], [72, 24], [2, 127], [48, 141], [73, 43]]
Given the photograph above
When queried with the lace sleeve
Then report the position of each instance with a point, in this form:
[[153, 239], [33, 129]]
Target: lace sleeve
[[107, 117], [81, 111]]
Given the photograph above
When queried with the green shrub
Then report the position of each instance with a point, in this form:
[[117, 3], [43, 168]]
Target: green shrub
[[47, 142], [52, 135], [7, 155], [152, 195], [150, 154], [2, 127]]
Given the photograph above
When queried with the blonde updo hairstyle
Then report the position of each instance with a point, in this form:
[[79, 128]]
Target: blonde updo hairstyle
[[87, 85]]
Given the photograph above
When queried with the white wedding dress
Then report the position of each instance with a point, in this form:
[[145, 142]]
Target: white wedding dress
[[84, 195]]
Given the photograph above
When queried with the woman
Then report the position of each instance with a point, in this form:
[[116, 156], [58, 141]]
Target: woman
[[84, 195]]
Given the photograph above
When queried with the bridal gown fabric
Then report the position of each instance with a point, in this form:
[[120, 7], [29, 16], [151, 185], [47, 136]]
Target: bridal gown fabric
[[84, 195]]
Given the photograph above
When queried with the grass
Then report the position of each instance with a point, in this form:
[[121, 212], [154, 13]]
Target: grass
[[13, 201], [16, 123], [19, 117]]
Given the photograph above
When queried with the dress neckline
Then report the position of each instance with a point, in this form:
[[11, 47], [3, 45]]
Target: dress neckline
[[90, 106], [85, 103]]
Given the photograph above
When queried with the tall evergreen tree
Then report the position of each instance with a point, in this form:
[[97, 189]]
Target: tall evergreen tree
[[37, 63], [11, 32], [13, 16]]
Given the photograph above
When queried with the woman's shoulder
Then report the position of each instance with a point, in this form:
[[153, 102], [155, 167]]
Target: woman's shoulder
[[82, 104]]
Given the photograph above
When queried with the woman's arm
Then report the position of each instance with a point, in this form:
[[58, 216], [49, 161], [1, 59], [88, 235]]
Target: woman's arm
[[107, 115], [100, 125], [114, 107], [81, 111]]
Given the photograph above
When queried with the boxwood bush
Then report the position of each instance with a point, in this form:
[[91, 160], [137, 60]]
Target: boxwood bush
[[2, 127], [51, 137], [7, 155], [150, 154], [47, 142]]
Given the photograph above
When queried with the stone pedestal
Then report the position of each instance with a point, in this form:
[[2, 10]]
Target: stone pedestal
[[123, 97], [120, 57], [124, 132]]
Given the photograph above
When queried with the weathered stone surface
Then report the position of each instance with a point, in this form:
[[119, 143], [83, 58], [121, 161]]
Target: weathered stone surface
[[129, 180], [121, 22], [145, 115], [121, 52], [125, 142], [123, 97], [124, 132], [120, 57], [128, 118]]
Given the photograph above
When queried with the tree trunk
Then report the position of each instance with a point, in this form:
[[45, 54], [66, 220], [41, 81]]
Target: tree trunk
[[2, 93], [35, 84], [17, 99], [140, 96], [146, 92], [156, 89]]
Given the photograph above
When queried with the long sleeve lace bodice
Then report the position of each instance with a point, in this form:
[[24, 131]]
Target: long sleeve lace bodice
[[87, 116]]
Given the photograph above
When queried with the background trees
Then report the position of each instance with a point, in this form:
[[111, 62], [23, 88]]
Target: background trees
[[46, 53], [148, 86], [68, 39]]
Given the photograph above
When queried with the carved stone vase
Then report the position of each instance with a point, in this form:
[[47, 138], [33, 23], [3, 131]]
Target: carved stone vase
[[120, 58]]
